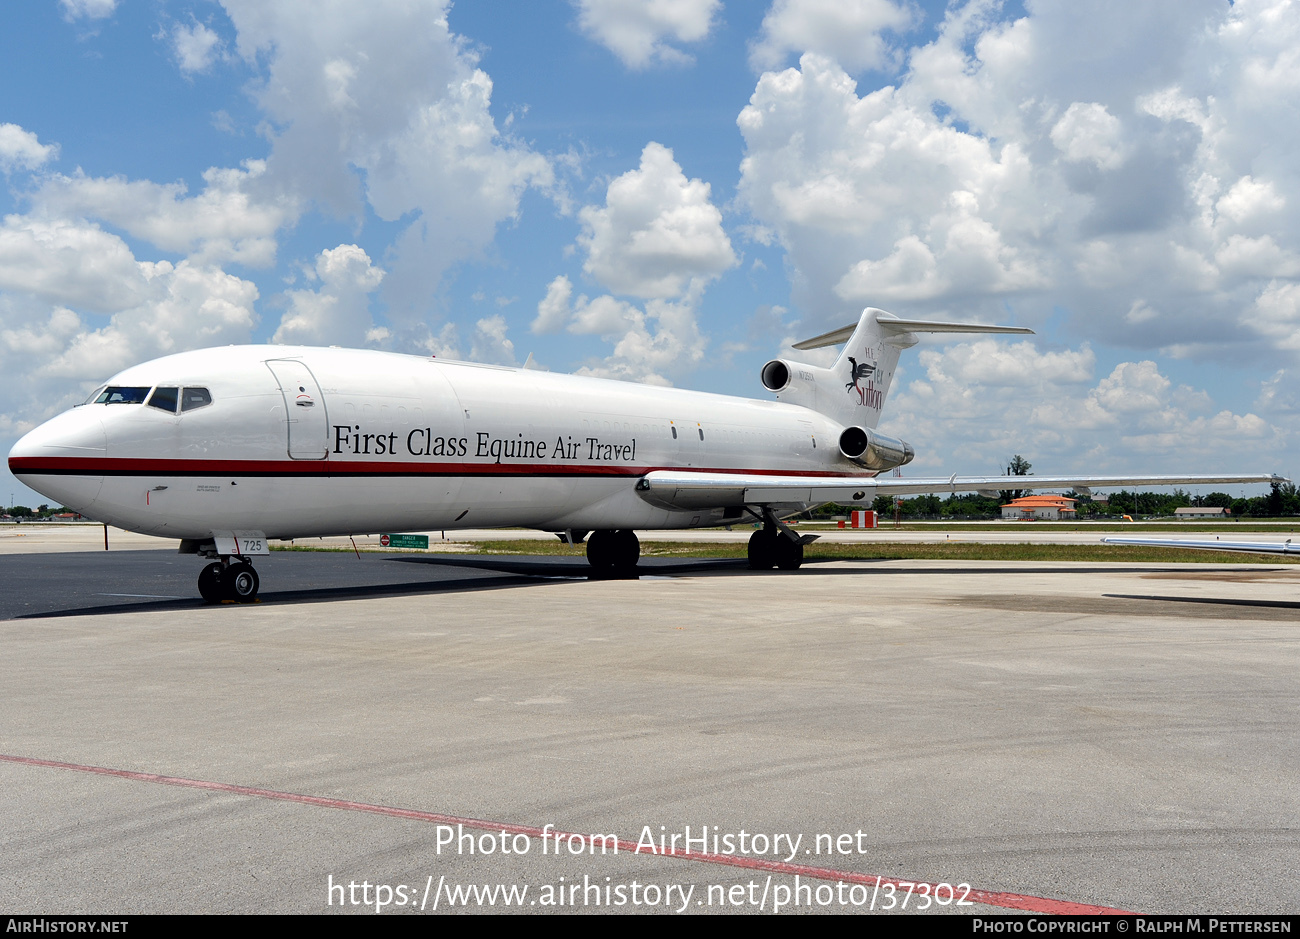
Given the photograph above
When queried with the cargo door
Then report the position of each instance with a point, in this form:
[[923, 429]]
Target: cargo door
[[304, 408]]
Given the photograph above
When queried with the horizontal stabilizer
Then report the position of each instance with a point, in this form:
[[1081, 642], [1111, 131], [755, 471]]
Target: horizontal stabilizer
[[1249, 547], [689, 490], [889, 324]]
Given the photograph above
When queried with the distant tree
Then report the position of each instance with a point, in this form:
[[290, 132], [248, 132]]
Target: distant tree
[[1218, 500], [929, 505], [21, 511], [968, 506], [1084, 506], [1018, 466]]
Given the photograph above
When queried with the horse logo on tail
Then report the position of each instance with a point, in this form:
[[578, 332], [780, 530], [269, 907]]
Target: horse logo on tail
[[858, 373]]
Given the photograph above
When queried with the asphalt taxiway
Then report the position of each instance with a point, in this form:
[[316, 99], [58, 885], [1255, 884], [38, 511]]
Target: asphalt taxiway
[[1119, 736]]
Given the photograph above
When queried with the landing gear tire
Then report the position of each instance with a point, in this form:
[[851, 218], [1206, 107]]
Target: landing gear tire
[[769, 549], [789, 554], [613, 552], [212, 583], [763, 550], [241, 582]]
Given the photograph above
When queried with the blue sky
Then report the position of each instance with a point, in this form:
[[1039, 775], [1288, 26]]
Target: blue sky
[[673, 191]]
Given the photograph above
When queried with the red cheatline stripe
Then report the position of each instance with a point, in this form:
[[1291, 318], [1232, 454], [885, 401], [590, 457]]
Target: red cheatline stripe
[[102, 466], [1009, 901]]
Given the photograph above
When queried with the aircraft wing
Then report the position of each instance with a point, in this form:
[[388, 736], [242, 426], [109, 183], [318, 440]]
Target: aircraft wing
[[1250, 547], [678, 489]]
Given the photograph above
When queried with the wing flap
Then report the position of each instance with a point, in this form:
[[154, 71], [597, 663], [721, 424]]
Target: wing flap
[[676, 489]]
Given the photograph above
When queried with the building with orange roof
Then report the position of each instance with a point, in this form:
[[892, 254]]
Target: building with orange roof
[[1050, 507]]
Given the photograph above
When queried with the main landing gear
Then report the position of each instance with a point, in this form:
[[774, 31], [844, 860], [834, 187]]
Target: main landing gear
[[768, 548], [229, 579], [775, 545], [613, 553]]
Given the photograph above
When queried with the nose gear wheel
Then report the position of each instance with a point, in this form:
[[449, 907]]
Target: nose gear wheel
[[220, 582]]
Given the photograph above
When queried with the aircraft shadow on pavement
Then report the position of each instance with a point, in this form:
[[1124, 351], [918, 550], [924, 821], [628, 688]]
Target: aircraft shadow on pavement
[[553, 567], [1223, 601], [513, 571], [526, 570], [576, 569], [314, 595]]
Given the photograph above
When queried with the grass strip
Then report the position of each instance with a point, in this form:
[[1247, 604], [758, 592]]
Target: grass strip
[[961, 551]]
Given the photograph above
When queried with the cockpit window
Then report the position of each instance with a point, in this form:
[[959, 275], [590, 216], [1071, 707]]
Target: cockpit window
[[164, 399], [94, 395], [193, 398], [118, 394]]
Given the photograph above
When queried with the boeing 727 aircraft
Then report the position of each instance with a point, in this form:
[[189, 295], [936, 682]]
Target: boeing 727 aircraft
[[225, 449]]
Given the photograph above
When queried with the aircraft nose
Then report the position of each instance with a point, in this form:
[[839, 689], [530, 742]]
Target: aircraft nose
[[73, 434], [60, 458]]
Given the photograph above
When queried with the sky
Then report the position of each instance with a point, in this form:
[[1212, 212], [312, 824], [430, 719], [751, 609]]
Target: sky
[[673, 192]]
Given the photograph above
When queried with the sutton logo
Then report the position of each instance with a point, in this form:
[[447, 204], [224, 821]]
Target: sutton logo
[[868, 395]]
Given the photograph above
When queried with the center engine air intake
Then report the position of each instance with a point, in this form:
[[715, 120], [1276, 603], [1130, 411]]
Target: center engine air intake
[[775, 375], [874, 451]]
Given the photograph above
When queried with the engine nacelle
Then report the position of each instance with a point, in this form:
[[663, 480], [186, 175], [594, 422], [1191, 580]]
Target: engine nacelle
[[874, 451], [776, 375]]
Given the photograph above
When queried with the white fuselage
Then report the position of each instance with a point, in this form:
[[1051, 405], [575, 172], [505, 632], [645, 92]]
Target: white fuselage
[[302, 442]]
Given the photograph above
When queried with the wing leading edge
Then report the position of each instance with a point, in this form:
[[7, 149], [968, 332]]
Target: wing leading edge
[[673, 489]]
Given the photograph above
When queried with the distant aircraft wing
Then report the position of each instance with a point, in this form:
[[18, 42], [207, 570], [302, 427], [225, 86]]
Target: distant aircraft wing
[[1250, 547], [677, 489]]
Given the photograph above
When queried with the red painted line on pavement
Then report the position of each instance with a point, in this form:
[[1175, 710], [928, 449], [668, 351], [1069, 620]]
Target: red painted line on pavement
[[1009, 901]]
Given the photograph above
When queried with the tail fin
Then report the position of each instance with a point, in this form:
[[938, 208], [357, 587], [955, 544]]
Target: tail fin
[[853, 390]]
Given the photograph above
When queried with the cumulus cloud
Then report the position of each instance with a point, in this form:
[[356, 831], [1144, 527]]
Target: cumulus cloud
[[1028, 165], [975, 404], [188, 307], [20, 149], [338, 311], [658, 235], [652, 344], [640, 32], [87, 9], [657, 238], [61, 353], [872, 194], [1088, 132], [232, 219], [382, 104], [195, 47], [1249, 200], [69, 263], [850, 31], [554, 310], [1276, 313], [490, 343], [76, 304], [968, 251]]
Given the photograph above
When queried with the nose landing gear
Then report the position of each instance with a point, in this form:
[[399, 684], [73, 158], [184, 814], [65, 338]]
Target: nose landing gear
[[242, 582], [235, 581]]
